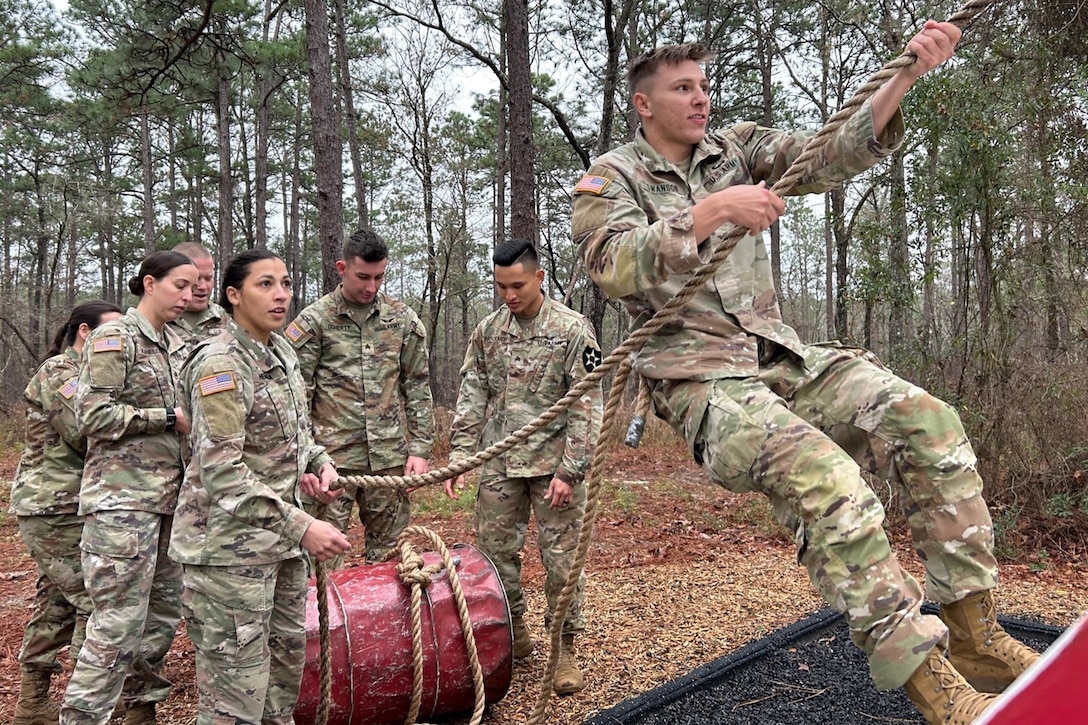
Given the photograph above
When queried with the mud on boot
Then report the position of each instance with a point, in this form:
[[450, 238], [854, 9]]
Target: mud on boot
[[983, 652], [942, 695]]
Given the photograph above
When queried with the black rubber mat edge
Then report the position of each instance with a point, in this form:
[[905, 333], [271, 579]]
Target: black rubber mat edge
[[711, 672]]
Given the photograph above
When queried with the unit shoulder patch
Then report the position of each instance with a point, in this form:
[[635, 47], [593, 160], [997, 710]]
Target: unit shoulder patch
[[591, 358]]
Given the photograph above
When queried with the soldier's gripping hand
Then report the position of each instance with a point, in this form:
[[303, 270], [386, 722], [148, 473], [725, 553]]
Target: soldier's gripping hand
[[324, 541], [454, 486], [322, 486]]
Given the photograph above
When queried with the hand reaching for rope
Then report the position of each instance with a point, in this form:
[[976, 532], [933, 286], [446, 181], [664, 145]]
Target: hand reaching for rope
[[932, 46], [324, 541]]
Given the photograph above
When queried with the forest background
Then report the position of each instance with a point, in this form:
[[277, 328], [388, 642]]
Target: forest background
[[131, 126]]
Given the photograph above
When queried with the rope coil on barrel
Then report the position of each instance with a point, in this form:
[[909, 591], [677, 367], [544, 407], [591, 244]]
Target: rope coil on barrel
[[621, 359]]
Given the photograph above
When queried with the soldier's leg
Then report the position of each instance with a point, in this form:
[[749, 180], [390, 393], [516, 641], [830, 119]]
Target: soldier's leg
[[120, 551], [903, 433], [227, 614], [502, 517], [748, 439], [61, 605], [286, 643], [557, 537], [385, 514]]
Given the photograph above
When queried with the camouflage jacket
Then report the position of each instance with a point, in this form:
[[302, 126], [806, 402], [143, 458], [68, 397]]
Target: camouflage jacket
[[126, 385], [47, 480], [251, 444], [366, 373], [512, 373], [194, 327], [633, 224]]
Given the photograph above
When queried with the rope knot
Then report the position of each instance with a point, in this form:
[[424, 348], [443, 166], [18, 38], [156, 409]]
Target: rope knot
[[411, 569]]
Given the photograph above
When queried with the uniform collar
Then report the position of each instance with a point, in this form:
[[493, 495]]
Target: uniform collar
[[510, 322], [657, 163], [263, 354], [343, 307], [167, 338]]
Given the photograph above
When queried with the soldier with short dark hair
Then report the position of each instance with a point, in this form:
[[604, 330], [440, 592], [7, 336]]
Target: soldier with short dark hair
[[202, 318], [762, 411], [521, 359], [363, 355]]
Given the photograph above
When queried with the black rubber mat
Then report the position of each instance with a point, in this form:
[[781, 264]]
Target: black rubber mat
[[809, 673]]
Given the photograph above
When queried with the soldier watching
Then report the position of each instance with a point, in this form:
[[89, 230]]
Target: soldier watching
[[45, 500], [762, 411], [202, 318], [240, 530], [127, 407], [363, 356], [521, 359]]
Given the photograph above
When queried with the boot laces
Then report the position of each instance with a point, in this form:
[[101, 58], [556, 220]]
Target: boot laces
[[948, 679], [1004, 645]]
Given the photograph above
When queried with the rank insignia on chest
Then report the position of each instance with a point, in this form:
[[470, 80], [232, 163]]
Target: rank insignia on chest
[[591, 358], [217, 383], [107, 344]]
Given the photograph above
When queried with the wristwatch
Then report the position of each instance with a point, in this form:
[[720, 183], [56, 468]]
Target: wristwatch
[[171, 419]]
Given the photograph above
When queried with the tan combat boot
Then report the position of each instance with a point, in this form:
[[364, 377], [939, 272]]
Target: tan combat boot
[[523, 643], [980, 648], [942, 695], [141, 714], [568, 678], [35, 707]]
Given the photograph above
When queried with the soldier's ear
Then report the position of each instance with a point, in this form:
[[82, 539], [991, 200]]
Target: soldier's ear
[[233, 295], [540, 275]]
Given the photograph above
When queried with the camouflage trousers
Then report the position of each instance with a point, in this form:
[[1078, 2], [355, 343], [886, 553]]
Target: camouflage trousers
[[136, 591], [801, 439], [502, 518], [384, 513], [248, 625], [61, 604]]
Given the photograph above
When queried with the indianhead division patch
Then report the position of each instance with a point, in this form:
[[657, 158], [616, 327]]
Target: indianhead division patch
[[218, 383], [591, 358], [107, 344], [591, 184]]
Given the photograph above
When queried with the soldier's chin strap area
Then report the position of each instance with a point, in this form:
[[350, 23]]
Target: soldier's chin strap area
[[621, 358]]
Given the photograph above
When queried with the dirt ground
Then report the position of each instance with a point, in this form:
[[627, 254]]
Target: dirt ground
[[679, 573]]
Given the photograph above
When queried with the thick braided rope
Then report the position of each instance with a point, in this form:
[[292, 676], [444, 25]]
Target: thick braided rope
[[413, 573], [325, 672], [786, 183]]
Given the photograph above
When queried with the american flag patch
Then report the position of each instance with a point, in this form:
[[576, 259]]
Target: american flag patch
[[216, 383], [69, 388], [107, 344], [591, 184], [293, 332]]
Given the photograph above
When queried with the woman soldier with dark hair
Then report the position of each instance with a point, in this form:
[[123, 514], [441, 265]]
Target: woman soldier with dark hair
[[241, 530], [126, 406], [45, 500]]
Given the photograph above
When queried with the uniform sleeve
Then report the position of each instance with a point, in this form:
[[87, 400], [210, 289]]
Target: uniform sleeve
[[57, 400], [220, 411], [584, 415], [107, 357], [304, 334], [415, 388], [472, 399], [624, 252]]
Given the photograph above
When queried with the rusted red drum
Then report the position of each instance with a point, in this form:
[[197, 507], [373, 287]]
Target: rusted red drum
[[370, 640]]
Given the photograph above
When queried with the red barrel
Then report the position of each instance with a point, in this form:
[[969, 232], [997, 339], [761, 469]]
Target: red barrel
[[370, 640]]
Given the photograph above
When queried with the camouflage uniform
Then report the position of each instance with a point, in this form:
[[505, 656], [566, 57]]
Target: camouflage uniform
[[513, 371], [239, 524], [192, 327], [45, 498], [365, 368], [764, 412], [128, 492]]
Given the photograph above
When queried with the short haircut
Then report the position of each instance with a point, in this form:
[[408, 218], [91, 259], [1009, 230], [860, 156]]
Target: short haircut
[[366, 245], [192, 250], [236, 272], [646, 65], [516, 251]]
